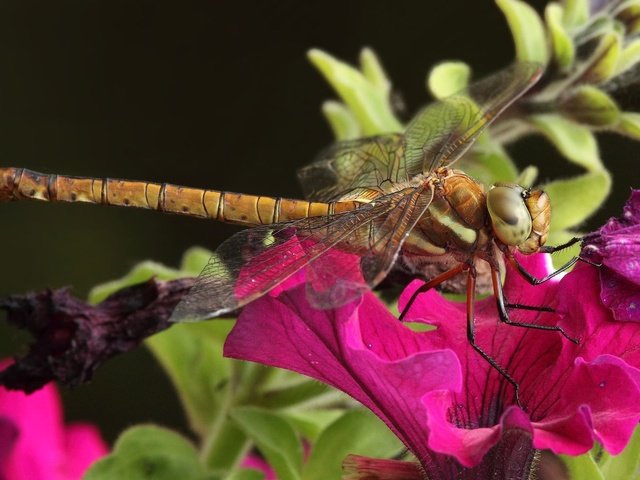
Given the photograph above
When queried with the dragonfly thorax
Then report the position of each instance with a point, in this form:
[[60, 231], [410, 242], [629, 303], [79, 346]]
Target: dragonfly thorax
[[519, 217]]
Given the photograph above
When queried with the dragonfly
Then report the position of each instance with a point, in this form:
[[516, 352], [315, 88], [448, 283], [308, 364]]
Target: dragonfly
[[372, 204]]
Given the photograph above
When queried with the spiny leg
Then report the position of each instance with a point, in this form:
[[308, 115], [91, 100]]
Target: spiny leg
[[471, 335], [431, 284], [504, 316]]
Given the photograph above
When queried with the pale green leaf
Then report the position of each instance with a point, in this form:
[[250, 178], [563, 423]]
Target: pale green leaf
[[576, 13], [589, 105], [194, 260], [357, 432], [561, 42], [527, 30], [629, 14], [140, 273], [448, 78], [374, 72], [573, 200], [626, 465], [602, 65], [311, 423], [246, 474], [192, 356], [369, 106], [629, 124], [149, 452], [528, 176], [582, 467], [275, 438], [629, 57], [341, 120], [574, 141]]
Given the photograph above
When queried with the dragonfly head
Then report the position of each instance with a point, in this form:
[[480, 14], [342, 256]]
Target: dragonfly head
[[519, 217]]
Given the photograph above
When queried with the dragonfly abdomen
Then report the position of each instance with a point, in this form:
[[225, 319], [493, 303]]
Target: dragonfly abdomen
[[24, 184]]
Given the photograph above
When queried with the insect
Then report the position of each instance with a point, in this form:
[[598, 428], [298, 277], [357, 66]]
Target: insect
[[372, 204]]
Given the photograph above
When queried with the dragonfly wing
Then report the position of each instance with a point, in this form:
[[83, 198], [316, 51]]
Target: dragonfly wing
[[347, 166], [254, 261], [443, 131], [337, 277]]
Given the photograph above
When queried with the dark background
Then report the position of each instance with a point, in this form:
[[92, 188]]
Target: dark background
[[212, 94]]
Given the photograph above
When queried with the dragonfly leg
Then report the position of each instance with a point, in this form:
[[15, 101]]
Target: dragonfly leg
[[431, 284], [504, 316], [471, 335], [531, 278], [556, 248]]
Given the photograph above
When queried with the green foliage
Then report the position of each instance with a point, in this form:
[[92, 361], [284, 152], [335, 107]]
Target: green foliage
[[356, 432], [147, 451], [527, 30]]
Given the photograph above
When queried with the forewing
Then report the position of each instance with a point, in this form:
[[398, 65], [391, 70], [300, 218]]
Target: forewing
[[254, 261], [337, 277], [441, 133], [350, 165]]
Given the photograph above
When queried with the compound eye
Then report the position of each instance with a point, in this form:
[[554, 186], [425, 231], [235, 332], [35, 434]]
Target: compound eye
[[510, 216]]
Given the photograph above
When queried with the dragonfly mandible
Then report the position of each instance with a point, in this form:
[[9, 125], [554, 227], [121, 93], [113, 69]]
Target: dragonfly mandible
[[372, 204]]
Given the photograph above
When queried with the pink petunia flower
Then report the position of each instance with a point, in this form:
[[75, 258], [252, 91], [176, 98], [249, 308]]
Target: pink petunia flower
[[34, 442], [617, 247], [448, 405]]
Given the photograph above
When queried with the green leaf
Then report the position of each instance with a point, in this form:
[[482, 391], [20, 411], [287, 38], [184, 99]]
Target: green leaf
[[589, 105], [629, 57], [149, 452], [357, 431], [629, 124], [573, 200], [576, 13], [374, 72], [370, 107], [293, 395], [629, 14], [140, 273], [574, 141], [275, 438], [341, 120], [488, 162], [527, 30], [582, 467], [245, 474], [626, 465], [602, 65], [528, 176], [448, 78], [311, 423], [194, 260], [561, 42], [191, 354]]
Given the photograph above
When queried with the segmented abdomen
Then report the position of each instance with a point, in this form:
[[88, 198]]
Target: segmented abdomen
[[23, 184]]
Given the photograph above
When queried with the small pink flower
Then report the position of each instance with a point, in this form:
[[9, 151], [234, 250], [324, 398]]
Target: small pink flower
[[447, 404], [34, 442]]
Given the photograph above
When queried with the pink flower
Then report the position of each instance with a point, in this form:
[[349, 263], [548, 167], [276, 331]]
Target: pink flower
[[617, 246], [34, 442], [447, 404]]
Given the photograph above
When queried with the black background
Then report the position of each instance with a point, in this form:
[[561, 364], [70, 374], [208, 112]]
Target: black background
[[212, 94]]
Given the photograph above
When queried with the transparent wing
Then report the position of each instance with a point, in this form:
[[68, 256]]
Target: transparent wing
[[347, 166], [437, 136], [441, 133], [348, 252]]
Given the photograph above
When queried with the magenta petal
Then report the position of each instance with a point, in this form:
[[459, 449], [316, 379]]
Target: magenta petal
[[83, 445], [359, 348], [43, 447]]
